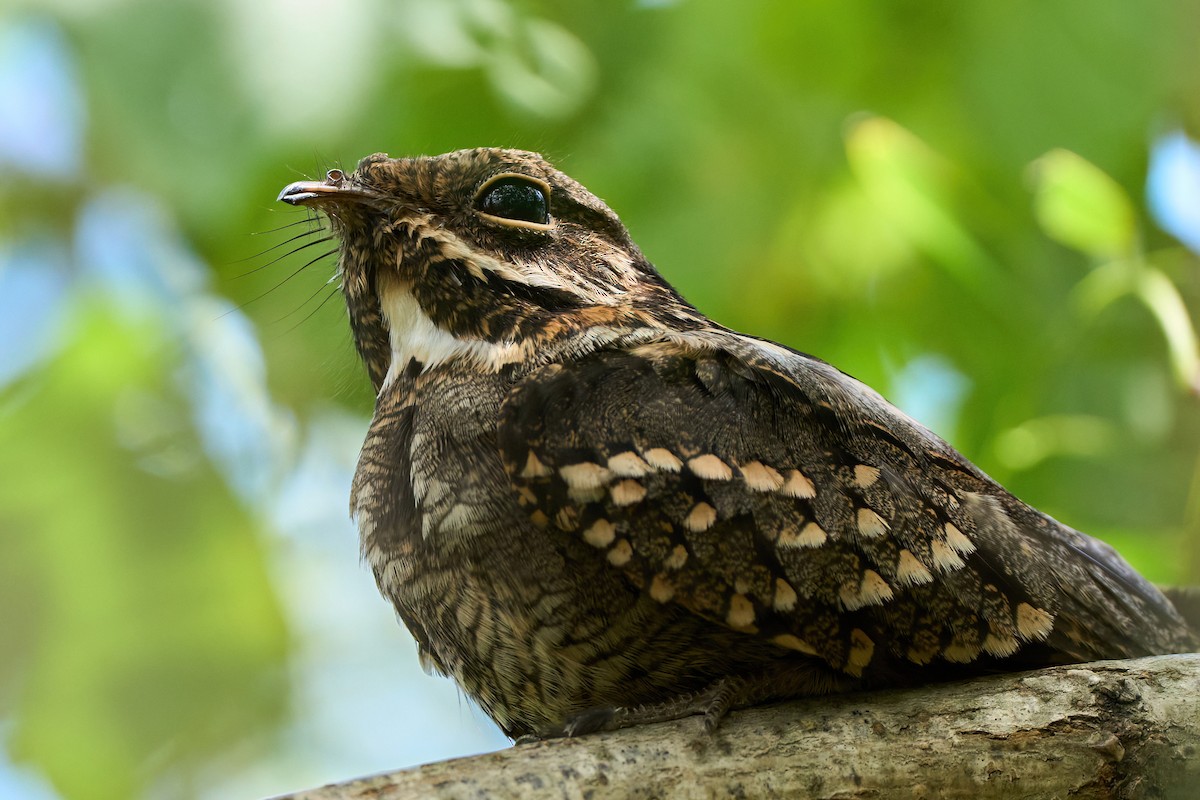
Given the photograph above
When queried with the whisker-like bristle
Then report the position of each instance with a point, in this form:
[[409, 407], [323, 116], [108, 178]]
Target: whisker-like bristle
[[287, 241], [311, 219], [291, 252], [303, 267], [311, 297], [333, 293]]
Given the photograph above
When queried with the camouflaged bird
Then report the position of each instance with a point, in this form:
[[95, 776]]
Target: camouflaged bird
[[593, 506]]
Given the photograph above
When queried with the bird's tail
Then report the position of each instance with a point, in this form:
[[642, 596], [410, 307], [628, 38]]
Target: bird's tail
[[1186, 600]]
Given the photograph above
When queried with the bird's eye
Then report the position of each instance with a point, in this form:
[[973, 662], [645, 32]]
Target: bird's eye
[[515, 198]]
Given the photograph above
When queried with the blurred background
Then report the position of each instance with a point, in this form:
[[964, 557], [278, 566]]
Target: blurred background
[[989, 212]]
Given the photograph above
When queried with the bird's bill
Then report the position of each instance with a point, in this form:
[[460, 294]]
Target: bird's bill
[[335, 185]]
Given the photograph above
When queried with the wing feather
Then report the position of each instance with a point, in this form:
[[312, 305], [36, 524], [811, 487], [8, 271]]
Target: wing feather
[[778, 502]]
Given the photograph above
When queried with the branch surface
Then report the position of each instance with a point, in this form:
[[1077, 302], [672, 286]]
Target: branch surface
[[1113, 729]]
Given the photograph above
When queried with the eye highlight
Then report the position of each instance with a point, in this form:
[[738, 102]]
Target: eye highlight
[[516, 200]]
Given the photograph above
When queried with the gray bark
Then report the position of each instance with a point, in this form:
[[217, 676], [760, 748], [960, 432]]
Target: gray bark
[[1114, 729]]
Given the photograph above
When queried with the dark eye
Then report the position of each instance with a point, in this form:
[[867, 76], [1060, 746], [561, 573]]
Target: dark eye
[[516, 198]]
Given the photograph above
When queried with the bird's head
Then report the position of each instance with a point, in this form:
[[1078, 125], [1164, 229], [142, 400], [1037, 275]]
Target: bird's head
[[482, 256]]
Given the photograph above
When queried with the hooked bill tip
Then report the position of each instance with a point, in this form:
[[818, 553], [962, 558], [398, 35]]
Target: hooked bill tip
[[299, 192]]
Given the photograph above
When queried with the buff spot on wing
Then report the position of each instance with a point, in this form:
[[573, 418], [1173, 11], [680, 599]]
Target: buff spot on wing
[[910, 571], [628, 465], [862, 648], [700, 518], [676, 558], [1000, 646], [592, 494], [958, 540], [585, 475], [787, 536], [872, 590], [628, 492], [961, 650], [710, 468], [785, 596], [620, 554], [534, 468], [794, 643], [741, 612], [539, 518], [944, 557], [600, 534], [1033, 624], [661, 458], [865, 476], [871, 524], [760, 477], [812, 535], [797, 484], [661, 588]]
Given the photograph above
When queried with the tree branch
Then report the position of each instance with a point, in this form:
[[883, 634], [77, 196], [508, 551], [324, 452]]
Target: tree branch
[[1127, 729]]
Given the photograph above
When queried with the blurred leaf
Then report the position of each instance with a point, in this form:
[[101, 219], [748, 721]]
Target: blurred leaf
[[159, 643], [1113, 280], [1103, 286], [846, 252], [1162, 298], [437, 30], [1148, 403], [1036, 440], [1080, 206], [911, 187], [535, 65], [544, 69]]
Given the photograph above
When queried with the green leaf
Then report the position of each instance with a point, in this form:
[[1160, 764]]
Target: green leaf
[[1162, 298], [1079, 205], [911, 187], [1036, 440]]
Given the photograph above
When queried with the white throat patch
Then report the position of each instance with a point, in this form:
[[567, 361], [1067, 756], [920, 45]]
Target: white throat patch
[[414, 335]]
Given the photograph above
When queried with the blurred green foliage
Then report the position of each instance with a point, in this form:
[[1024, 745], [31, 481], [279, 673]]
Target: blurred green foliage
[[943, 199], [144, 631]]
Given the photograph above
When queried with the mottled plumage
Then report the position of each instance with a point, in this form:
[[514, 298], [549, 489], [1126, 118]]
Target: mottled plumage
[[593, 506]]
